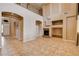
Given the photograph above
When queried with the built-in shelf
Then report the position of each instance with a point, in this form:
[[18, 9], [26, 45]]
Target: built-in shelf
[[57, 26], [57, 32], [57, 22], [59, 36]]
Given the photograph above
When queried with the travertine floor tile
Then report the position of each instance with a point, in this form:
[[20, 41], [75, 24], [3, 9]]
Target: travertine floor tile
[[39, 47]]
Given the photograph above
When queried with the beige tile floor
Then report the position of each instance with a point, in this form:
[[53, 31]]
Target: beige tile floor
[[39, 47]]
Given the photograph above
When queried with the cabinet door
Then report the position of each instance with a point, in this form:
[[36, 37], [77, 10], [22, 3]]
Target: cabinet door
[[71, 27], [69, 9]]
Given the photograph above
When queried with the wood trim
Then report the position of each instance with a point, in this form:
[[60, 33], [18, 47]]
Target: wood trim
[[57, 36], [10, 14]]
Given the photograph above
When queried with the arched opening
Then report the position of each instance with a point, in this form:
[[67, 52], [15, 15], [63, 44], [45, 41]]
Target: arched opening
[[12, 25], [38, 28]]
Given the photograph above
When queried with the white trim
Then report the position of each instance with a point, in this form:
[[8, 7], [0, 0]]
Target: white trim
[[70, 40]]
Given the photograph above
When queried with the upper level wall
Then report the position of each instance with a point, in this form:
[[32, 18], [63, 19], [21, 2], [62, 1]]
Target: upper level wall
[[30, 7], [54, 10], [46, 10], [22, 4], [69, 9], [51, 11], [46, 13]]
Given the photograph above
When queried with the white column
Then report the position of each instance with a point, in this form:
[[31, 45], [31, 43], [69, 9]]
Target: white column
[[78, 23], [0, 30], [64, 28]]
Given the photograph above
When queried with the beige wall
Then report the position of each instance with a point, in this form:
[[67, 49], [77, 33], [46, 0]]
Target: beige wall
[[55, 9], [46, 13], [46, 10], [52, 10], [32, 8]]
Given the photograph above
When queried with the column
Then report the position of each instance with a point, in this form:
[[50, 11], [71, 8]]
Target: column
[[0, 30]]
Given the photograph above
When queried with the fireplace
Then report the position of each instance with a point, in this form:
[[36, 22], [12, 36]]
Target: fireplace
[[46, 31]]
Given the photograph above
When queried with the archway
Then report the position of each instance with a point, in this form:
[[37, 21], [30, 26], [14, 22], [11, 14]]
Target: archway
[[15, 25]]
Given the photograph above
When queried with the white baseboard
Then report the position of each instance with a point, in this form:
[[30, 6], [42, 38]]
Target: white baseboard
[[70, 40], [29, 39]]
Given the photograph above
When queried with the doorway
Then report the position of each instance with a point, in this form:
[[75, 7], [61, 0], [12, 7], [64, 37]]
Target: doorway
[[38, 28], [5, 26], [15, 26]]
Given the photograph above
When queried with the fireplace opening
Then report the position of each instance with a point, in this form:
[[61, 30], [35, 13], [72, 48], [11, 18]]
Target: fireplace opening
[[46, 32]]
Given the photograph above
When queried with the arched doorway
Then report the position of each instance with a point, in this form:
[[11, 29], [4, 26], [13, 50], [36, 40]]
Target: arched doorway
[[14, 26]]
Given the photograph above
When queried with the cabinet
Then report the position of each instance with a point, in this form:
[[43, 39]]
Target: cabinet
[[69, 9], [71, 28]]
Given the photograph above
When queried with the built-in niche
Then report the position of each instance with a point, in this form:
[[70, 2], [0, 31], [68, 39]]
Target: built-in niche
[[57, 28], [38, 23], [57, 32], [57, 22], [12, 30]]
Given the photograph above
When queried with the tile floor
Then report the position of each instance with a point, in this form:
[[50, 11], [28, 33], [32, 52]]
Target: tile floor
[[39, 47]]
